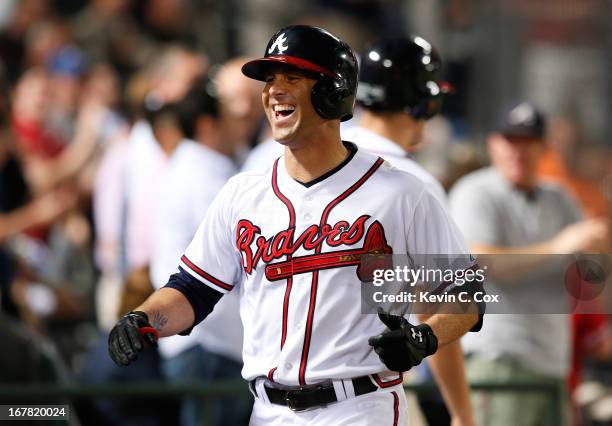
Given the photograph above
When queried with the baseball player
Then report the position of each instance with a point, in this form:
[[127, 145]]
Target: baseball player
[[399, 89], [286, 240]]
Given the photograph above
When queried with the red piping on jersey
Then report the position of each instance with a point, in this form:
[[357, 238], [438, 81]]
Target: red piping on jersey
[[315, 275], [291, 211], [286, 309], [271, 374], [395, 408], [388, 384], [205, 275]]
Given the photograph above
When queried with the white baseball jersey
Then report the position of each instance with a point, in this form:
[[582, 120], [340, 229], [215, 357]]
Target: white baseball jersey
[[193, 177], [287, 244], [394, 154]]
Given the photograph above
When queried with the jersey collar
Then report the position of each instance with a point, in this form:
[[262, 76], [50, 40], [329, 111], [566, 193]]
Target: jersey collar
[[339, 173]]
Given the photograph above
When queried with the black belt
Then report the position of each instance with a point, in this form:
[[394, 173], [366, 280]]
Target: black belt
[[303, 398]]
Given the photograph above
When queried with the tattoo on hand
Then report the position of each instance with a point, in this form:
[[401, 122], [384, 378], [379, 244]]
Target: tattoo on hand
[[159, 321]]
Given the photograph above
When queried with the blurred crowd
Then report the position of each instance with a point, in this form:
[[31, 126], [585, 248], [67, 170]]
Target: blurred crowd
[[120, 119]]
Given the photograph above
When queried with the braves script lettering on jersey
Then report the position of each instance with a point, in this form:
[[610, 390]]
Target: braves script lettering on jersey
[[294, 251]]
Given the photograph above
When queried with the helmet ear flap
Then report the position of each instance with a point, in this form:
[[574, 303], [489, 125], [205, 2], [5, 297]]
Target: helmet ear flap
[[328, 96], [428, 106]]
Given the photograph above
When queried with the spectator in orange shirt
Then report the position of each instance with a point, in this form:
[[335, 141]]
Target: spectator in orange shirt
[[560, 163]]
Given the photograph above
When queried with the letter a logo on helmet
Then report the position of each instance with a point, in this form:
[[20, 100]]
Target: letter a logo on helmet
[[279, 44], [320, 55]]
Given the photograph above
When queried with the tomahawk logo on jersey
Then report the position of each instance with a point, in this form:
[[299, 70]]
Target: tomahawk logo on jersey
[[292, 250]]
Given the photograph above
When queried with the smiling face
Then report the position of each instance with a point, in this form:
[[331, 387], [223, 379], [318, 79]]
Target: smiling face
[[286, 101]]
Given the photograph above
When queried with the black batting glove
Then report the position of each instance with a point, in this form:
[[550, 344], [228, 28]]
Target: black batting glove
[[129, 336], [404, 345]]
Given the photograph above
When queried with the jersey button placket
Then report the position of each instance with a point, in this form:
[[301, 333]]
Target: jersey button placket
[[306, 214]]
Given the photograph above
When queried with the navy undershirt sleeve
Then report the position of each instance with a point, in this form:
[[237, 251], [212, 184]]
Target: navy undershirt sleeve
[[201, 297]]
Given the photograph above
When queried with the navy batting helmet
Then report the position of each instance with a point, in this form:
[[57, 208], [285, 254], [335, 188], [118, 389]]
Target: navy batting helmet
[[320, 54], [401, 74]]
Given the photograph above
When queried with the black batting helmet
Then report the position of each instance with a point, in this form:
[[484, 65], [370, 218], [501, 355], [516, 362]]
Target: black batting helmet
[[401, 74], [320, 54]]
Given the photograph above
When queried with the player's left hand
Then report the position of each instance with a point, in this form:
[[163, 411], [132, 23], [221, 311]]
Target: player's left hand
[[404, 345]]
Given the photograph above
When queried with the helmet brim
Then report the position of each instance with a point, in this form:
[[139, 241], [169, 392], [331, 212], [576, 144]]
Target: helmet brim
[[257, 69]]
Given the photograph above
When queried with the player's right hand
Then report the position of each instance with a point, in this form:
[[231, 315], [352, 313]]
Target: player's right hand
[[128, 337]]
